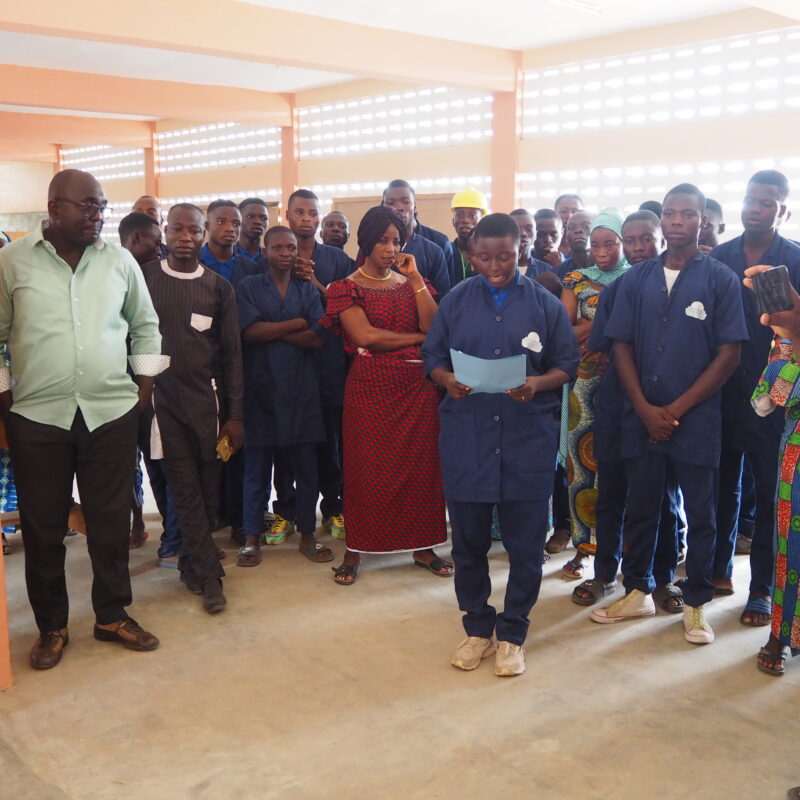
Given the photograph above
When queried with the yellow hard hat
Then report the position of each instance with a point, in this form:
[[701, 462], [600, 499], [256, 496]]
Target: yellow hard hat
[[469, 198]]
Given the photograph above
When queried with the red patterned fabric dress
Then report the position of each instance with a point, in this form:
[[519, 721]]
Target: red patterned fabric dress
[[393, 498]]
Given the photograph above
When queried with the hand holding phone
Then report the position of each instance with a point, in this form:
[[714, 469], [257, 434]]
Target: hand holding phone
[[773, 290]]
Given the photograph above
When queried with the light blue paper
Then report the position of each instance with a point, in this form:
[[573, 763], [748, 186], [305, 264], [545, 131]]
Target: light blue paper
[[489, 375]]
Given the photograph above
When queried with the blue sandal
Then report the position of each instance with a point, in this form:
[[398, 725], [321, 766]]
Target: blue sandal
[[757, 605]]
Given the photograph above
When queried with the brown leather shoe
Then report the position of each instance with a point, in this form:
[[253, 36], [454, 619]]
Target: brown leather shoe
[[46, 653], [128, 633]]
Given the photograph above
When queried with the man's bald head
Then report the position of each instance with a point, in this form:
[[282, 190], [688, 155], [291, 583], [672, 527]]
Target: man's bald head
[[76, 206], [147, 204], [74, 184]]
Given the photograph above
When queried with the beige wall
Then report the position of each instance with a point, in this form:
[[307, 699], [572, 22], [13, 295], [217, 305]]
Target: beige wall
[[23, 186]]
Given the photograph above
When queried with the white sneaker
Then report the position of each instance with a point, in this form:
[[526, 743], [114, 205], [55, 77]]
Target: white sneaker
[[635, 604], [696, 629], [510, 659], [472, 651]]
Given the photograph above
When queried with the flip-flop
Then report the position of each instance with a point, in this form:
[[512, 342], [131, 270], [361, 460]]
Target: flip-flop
[[757, 605], [6, 546], [596, 588], [777, 660], [793, 793], [664, 593], [317, 552], [248, 556], [436, 565], [578, 567], [350, 570]]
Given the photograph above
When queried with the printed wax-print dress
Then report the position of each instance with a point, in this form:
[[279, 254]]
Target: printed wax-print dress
[[581, 463], [393, 496], [780, 386]]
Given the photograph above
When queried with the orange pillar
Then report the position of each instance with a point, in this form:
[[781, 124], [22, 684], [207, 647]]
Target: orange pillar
[[150, 172], [506, 134], [6, 681], [290, 157]]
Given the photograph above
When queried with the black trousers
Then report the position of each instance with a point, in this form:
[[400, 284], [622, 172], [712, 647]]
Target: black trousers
[[194, 486], [46, 459]]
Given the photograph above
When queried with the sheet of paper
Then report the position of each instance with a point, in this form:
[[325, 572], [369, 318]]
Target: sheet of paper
[[490, 375]]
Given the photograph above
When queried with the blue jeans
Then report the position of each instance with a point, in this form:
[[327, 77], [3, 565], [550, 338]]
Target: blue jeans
[[762, 554], [171, 533]]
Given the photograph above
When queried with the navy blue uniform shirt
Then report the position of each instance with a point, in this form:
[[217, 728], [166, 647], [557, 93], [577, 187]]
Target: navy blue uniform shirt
[[430, 263], [743, 429], [609, 397], [438, 238], [675, 336], [537, 267], [331, 264], [493, 448], [235, 269], [281, 380]]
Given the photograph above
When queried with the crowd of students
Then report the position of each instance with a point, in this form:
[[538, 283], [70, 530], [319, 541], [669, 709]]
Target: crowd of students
[[286, 370]]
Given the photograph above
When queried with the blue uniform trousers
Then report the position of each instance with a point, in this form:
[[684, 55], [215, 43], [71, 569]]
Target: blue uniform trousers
[[612, 496], [171, 534], [763, 464], [524, 526], [747, 504], [647, 482], [329, 471], [302, 461]]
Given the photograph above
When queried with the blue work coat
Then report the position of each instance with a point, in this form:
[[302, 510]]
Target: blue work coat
[[493, 448]]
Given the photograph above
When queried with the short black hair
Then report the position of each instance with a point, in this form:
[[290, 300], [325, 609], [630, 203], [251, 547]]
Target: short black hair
[[186, 207], [495, 226], [399, 183], [714, 207], [643, 215], [252, 201], [568, 195], [772, 177], [546, 213], [215, 204], [374, 224], [652, 205], [306, 194], [520, 212], [690, 189], [135, 221], [275, 229]]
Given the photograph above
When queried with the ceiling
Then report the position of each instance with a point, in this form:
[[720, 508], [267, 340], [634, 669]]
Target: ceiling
[[512, 24], [127, 61]]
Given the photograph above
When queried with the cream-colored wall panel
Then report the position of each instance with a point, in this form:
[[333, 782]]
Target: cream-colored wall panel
[[23, 186]]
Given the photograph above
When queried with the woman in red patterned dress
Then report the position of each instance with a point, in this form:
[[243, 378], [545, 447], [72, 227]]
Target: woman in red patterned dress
[[392, 482]]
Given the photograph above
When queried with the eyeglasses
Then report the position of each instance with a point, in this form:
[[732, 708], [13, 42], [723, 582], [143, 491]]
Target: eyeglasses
[[89, 209]]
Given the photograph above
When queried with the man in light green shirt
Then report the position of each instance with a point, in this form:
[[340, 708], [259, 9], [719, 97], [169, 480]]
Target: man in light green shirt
[[70, 302]]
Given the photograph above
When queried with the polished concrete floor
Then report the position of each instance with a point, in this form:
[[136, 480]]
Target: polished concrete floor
[[303, 689]]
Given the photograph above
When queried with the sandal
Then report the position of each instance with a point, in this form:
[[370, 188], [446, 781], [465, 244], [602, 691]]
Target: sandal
[[669, 598], [558, 542], [316, 551], [345, 571], [248, 556], [595, 589], [573, 570], [438, 566], [6, 546], [220, 553], [757, 607], [775, 661]]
